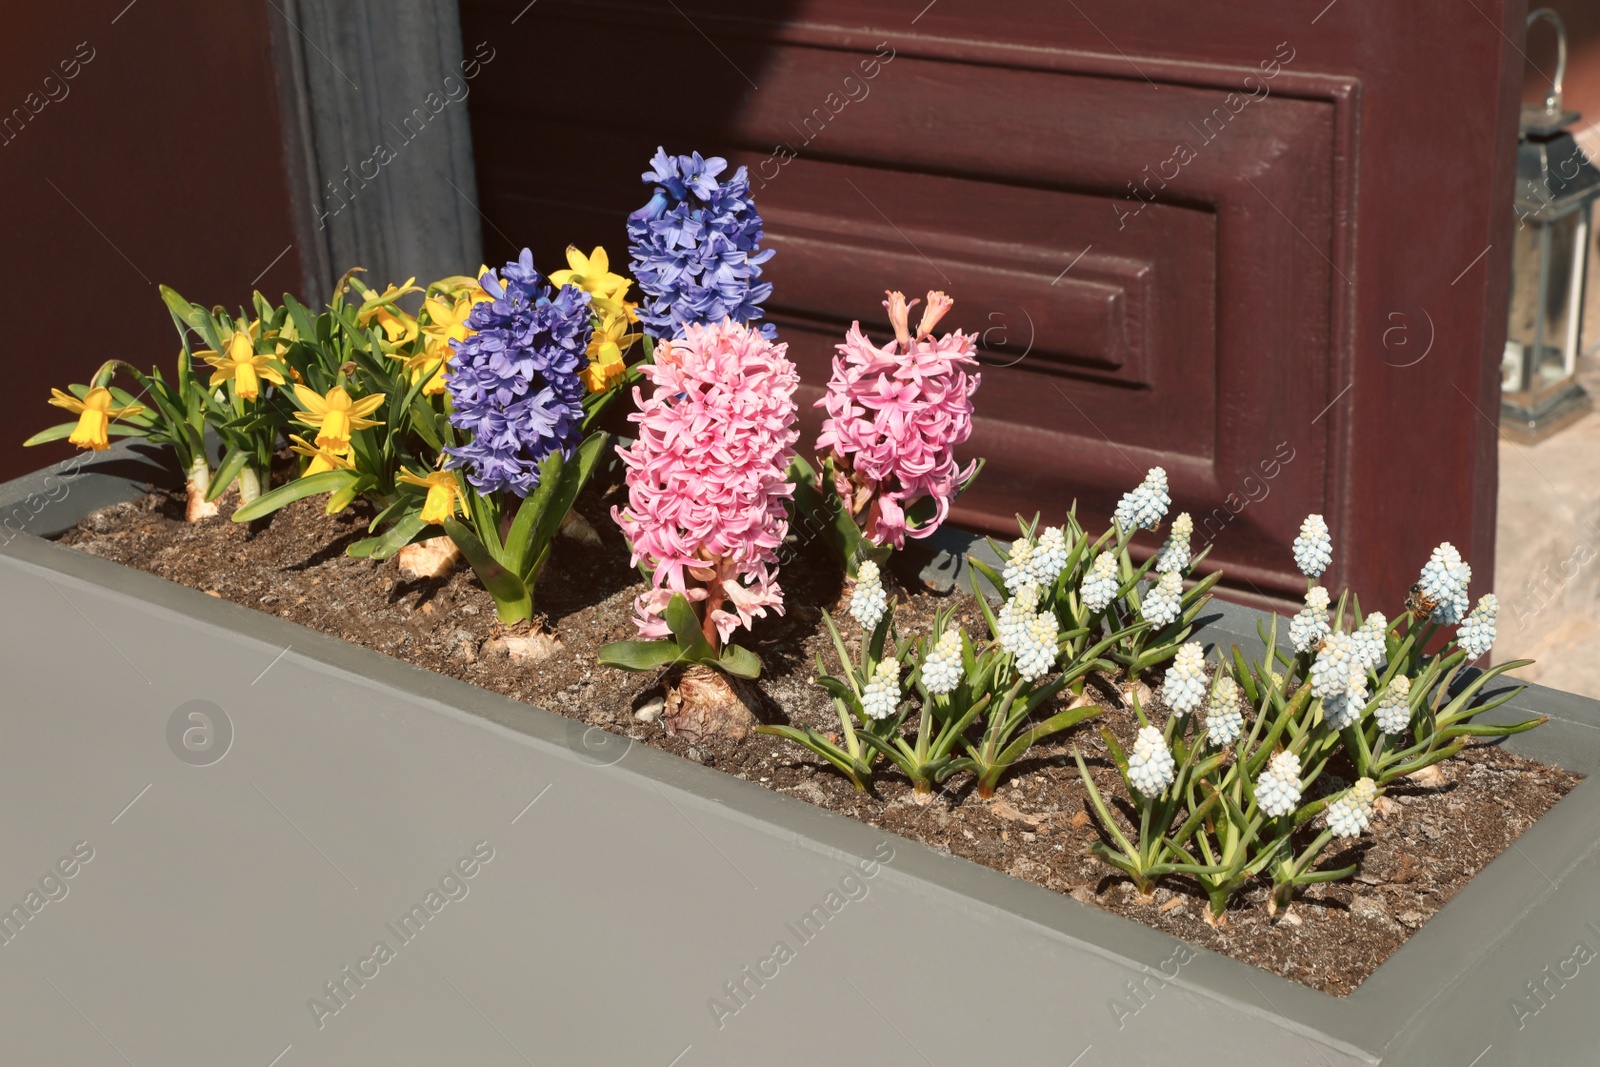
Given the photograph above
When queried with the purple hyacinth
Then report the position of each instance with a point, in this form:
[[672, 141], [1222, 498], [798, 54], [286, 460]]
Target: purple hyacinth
[[696, 247], [514, 383]]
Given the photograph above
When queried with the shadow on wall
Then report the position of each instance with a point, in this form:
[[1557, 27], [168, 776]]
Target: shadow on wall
[[593, 118]]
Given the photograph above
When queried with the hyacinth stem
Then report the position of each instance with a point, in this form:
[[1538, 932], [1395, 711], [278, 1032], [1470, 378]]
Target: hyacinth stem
[[249, 484], [514, 611]]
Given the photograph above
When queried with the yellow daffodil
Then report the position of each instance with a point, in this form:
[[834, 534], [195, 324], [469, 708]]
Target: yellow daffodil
[[429, 364], [609, 341], [447, 319], [335, 416], [242, 364], [321, 459], [94, 413], [398, 327], [444, 493], [592, 274]]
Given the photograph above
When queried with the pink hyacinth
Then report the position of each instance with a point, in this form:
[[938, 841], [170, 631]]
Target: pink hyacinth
[[707, 476], [895, 416]]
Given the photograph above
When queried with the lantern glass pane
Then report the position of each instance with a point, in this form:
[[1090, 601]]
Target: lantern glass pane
[[1522, 331], [1562, 287]]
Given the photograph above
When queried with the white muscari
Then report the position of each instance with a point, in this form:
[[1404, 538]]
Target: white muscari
[[1393, 713], [1100, 584], [1224, 720], [1313, 549], [1476, 635], [1278, 788], [1352, 813], [1310, 626], [1175, 553], [1335, 671], [868, 602], [1143, 507], [941, 671], [1151, 767], [1037, 651], [1012, 619], [1164, 603], [1445, 578], [1019, 565], [1184, 688], [1049, 556], [882, 695], [1342, 709], [1369, 641]]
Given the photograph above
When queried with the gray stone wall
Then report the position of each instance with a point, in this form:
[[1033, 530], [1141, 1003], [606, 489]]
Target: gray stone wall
[[377, 140]]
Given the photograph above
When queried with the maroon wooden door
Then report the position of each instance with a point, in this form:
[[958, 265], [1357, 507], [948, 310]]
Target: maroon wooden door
[[1261, 245]]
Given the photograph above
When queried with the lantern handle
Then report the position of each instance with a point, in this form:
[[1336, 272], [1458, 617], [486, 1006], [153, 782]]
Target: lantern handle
[[1552, 99]]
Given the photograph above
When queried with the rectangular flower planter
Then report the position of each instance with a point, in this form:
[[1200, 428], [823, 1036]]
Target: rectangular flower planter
[[304, 849]]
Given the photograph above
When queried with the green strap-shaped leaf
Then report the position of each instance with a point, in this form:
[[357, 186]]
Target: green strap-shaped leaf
[[512, 600], [64, 430], [288, 493], [227, 471], [392, 540], [559, 485], [639, 655], [740, 662], [685, 627]]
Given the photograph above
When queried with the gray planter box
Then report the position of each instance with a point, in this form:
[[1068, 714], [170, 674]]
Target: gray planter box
[[596, 902]]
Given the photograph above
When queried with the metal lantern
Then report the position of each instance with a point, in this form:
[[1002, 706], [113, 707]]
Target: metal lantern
[[1556, 187]]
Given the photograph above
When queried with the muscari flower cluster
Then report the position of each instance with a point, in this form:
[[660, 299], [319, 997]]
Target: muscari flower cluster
[[1444, 581], [941, 671], [882, 694], [1145, 505], [514, 383], [1100, 584], [1029, 635], [1393, 713], [1184, 688], [1175, 553], [895, 415], [1151, 767], [1313, 548], [1224, 720], [1477, 632], [696, 247], [1352, 813], [1369, 641], [868, 602], [1164, 602], [1311, 625], [707, 490], [1039, 562], [1278, 788], [1338, 677]]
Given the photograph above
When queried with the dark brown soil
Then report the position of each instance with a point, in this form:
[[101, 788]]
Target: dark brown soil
[[1420, 852]]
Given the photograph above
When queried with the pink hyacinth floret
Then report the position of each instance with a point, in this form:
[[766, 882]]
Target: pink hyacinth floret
[[895, 417], [707, 478]]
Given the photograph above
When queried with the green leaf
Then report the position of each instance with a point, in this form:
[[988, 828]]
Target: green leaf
[[391, 540], [740, 662], [227, 471], [512, 599], [639, 655], [685, 627], [289, 492]]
